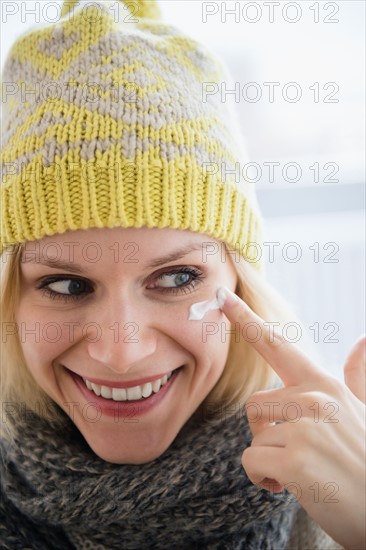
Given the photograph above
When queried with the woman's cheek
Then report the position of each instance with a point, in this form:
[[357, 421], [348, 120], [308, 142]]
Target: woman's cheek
[[209, 336], [43, 334]]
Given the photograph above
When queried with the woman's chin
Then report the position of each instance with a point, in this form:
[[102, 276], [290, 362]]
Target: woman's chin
[[112, 459], [123, 456], [128, 448]]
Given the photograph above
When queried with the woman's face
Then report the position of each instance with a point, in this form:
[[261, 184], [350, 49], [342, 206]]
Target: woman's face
[[112, 307]]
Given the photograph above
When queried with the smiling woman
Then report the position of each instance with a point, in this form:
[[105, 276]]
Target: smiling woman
[[108, 298], [125, 422], [133, 340]]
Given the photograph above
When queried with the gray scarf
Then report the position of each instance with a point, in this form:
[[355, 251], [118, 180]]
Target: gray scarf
[[57, 494]]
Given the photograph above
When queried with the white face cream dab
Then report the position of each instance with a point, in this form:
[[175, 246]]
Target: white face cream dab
[[198, 310]]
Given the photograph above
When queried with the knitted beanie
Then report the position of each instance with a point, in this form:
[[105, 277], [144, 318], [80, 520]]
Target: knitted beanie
[[107, 123]]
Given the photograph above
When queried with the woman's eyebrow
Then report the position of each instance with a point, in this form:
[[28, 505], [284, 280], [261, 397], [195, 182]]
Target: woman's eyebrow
[[173, 256], [75, 268], [56, 264]]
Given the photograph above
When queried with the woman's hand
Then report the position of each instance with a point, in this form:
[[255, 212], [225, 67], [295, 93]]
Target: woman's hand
[[309, 436]]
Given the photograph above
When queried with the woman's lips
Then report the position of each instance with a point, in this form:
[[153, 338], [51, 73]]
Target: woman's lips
[[122, 409]]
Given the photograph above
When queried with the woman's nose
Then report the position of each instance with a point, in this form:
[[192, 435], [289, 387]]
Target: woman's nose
[[124, 338]]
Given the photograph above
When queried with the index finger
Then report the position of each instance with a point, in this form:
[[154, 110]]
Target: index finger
[[291, 364]]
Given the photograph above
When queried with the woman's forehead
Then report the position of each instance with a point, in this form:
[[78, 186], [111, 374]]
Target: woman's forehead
[[147, 247], [148, 235]]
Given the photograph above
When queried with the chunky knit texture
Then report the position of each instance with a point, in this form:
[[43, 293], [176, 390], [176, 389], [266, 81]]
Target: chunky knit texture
[[57, 494], [107, 123]]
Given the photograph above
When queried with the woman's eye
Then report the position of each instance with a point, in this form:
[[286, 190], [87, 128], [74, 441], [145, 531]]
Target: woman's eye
[[179, 280], [170, 280], [66, 289]]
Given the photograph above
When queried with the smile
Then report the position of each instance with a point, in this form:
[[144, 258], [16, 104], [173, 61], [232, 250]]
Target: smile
[[134, 393]]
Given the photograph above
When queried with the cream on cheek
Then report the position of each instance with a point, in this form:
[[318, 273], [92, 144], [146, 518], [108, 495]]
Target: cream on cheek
[[198, 310]]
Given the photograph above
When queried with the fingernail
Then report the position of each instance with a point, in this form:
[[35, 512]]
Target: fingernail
[[225, 296]]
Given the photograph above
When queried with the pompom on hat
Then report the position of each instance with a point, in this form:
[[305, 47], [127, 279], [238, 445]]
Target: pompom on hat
[[106, 124]]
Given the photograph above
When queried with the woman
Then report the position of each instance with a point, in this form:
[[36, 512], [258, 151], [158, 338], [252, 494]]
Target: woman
[[127, 418]]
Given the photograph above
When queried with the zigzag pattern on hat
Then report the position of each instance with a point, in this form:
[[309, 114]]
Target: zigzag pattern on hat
[[108, 127]]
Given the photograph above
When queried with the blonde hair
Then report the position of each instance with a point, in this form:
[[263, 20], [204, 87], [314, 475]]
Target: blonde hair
[[245, 370], [18, 389]]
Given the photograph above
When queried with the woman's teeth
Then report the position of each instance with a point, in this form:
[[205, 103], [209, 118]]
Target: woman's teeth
[[128, 394]]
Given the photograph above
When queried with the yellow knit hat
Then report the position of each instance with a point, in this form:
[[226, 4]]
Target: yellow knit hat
[[105, 124]]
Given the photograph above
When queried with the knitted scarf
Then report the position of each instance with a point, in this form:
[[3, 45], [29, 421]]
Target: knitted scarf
[[57, 494]]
